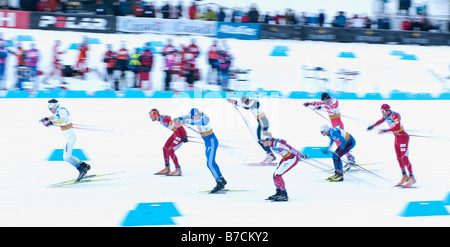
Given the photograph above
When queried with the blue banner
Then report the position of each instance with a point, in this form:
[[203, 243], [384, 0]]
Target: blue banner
[[249, 31]]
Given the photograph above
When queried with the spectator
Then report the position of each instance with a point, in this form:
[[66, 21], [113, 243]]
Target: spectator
[[138, 8], [32, 59], [63, 5], [100, 7], [28, 5], [384, 22], [321, 17], [149, 10], [368, 22], [340, 20], [3, 59], [224, 59], [290, 17], [245, 18], [253, 14], [222, 15], [407, 24], [169, 53], [192, 11], [43, 6], [122, 7], [357, 22], [278, 18], [146, 60], [211, 15], [165, 11], [213, 53], [267, 17], [110, 60], [404, 5], [174, 12], [180, 9], [302, 20], [236, 15]]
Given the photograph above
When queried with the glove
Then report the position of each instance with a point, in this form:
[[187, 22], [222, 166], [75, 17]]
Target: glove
[[185, 139], [381, 131], [318, 108], [306, 104], [43, 120], [232, 101], [176, 120], [47, 123], [370, 127], [304, 156]]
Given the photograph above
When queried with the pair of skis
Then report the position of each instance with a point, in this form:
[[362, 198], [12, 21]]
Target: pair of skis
[[88, 179]]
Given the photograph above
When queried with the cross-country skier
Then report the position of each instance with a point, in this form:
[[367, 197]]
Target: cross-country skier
[[61, 118], [347, 142], [393, 119], [331, 105], [263, 123], [202, 122], [174, 142], [291, 157]]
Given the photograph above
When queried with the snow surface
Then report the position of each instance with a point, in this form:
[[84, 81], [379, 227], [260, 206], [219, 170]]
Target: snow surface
[[135, 144]]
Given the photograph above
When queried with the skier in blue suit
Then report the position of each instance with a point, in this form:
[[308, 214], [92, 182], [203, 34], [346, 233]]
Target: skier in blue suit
[[201, 121]]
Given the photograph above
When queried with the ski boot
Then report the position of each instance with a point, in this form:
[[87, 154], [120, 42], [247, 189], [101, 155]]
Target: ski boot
[[177, 172], [277, 193], [351, 162], [411, 180], [282, 197], [337, 177], [221, 182], [164, 171], [404, 179], [83, 169]]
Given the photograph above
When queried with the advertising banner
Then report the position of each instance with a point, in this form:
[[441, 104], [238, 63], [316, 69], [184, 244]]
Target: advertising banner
[[15, 19], [73, 22], [248, 31], [269, 31], [166, 26]]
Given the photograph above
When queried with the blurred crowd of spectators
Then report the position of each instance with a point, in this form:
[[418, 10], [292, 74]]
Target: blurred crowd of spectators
[[251, 14]]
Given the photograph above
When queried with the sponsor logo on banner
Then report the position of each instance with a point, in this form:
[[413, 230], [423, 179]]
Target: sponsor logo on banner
[[14, 19], [165, 26], [73, 22], [238, 30]]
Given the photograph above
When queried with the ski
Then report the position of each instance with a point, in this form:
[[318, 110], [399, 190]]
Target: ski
[[87, 178], [347, 168], [223, 191], [262, 164]]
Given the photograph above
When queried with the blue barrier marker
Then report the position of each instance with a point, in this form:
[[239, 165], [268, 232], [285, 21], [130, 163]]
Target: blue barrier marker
[[447, 200], [408, 57], [57, 155], [424, 208], [152, 214], [24, 38], [396, 53], [279, 51], [346, 54], [134, 94], [105, 94], [315, 152], [17, 94]]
